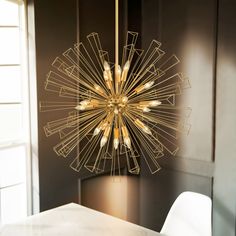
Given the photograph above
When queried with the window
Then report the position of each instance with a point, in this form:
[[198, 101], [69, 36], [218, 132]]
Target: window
[[14, 114]]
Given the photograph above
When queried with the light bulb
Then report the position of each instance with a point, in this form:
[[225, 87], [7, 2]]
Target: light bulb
[[106, 66], [146, 109], [97, 87], [124, 99], [127, 65], [146, 130], [127, 142], [94, 102], [118, 74], [124, 131], [103, 141], [80, 107], [116, 143], [125, 71], [104, 125], [105, 75], [154, 103], [96, 131], [84, 102], [119, 70], [107, 131], [116, 111], [148, 85]]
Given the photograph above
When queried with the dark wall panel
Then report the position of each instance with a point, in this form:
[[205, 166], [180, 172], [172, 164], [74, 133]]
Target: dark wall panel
[[99, 17], [55, 31], [224, 201]]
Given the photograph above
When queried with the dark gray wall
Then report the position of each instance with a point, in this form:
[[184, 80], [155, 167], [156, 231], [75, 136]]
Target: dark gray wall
[[55, 31], [98, 16], [224, 201]]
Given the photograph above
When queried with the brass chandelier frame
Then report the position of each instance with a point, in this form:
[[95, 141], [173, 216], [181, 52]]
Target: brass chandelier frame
[[117, 113]]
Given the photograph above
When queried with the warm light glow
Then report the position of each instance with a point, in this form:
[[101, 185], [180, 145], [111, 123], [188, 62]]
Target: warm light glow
[[125, 71], [84, 103], [126, 66], [124, 99], [147, 130], [146, 109], [96, 131], [118, 73], [116, 143], [127, 142], [103, 141], [99, 89], [154, 103], [80, 107], [106, 66], [148, 85]]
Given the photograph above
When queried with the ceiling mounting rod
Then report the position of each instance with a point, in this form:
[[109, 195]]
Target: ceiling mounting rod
[[116, 35]]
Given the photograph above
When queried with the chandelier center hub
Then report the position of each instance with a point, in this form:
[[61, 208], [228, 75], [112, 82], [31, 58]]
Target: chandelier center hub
[[117, 104]]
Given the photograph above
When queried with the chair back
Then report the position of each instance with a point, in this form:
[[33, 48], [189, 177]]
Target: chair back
[[190, 215]]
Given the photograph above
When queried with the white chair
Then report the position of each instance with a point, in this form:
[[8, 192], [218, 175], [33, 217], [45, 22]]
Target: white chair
[[190, 215]]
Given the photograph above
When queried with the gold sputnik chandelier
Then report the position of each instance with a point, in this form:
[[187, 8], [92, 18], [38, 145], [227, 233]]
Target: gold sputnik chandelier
[[117, 113]]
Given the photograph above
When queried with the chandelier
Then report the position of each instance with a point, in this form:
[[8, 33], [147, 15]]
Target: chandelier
[[116, 113]]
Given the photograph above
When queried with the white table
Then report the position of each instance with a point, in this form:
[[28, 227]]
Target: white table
[[74, 220]]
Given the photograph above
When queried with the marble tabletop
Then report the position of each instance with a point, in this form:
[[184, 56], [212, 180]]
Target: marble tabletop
[[74, 220]]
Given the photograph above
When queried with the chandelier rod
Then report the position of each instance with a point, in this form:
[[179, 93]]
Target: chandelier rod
[[116, 35]]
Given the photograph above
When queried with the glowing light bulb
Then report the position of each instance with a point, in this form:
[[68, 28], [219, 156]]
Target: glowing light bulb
[[127, 142], [154, 103], [105, 75], [125, 71], [106, 66], [97, 87], [80, 107], [116, 143], [147, 130], [124, 99], [96, 131], [116, 138], [103, 141], [146, 109], [108, 79], [116, 111], [119, 70], [127, 65], [118, 74], [84, 102], [104, 125], [148, 85]]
